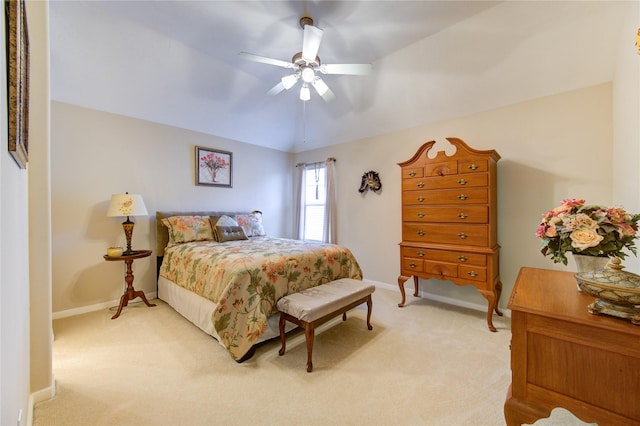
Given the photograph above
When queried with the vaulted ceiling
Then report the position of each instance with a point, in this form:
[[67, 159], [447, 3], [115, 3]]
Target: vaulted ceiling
[[177, 63]]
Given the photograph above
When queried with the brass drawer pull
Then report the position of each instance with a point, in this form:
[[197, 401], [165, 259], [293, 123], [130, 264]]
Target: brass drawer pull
[[412, 265], [462, 216], [463, 258], [462, 182], [473, 167], [420, 184], [421, 233], [420, 254], [462, 197], [462, 235], [412, 174], [473, 273], [420, 198], [421, 214]]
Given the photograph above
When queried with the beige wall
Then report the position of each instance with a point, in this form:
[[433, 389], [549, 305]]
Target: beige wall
[[42, 384], [96, 154], [552, 148], [14, 276]]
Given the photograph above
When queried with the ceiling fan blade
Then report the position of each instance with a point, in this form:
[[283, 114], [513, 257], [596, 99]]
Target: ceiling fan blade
[[276, 89], [265, 60], [323, 90], [350, 69], [311, 42]]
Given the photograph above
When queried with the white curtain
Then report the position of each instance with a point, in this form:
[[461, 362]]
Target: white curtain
[[330, 209], [300, 200]]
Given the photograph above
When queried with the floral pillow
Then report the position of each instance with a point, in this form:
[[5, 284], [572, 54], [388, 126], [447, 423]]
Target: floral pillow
[[252, 224], [183, 229]]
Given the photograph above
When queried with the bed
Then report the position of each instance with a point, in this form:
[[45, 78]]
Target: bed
[[229, 286]]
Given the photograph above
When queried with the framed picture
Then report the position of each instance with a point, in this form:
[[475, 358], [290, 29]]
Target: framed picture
[[17, 38], [214, 167]]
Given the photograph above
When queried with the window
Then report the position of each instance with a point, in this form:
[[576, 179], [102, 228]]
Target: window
[[314, 202]]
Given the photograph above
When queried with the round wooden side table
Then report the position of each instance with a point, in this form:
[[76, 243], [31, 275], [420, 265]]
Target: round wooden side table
[[130, 293]]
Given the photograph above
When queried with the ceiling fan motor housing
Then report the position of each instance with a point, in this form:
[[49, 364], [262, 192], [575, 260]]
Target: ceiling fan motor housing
[[305, 20], [299, 60]]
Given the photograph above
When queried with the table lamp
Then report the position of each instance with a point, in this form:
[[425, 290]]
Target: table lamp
[[127, 205]]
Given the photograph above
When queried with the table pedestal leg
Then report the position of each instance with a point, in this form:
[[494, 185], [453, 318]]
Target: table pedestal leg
[[130, 293]]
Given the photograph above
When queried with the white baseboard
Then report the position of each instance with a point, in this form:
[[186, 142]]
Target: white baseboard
[[93, 308], [442, 299], [39, 396]]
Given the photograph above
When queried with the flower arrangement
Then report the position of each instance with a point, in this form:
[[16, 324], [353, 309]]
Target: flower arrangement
[[588, 230], [213, 163]]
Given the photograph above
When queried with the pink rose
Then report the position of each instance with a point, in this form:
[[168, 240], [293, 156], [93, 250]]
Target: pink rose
[[572, 202]]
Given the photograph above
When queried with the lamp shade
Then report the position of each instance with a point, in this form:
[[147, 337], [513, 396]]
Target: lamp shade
[[126, 205], [305, 94]]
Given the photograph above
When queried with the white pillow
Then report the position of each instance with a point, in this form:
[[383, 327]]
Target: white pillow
[[225, 220]]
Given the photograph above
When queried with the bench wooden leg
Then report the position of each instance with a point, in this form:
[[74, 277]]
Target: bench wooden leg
[[283, 336], [369, 307], [309, 334]]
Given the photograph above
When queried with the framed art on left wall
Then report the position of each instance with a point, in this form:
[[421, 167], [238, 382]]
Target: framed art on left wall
[[17, 38], [214, 167]]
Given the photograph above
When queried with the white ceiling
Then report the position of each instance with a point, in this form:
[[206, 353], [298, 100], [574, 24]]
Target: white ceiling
[[176, 62]]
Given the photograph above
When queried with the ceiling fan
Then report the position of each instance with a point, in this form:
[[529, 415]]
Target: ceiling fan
[[306, 65]]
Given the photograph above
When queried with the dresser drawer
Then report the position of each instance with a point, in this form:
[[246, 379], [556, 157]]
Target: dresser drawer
[[412, 264], [412, 172], [441, 169], [441, 268], [446, 182], [473, 166], [468, 235], [446, 196], [456, 257], [462, 214], [460, 257], [471, 272]]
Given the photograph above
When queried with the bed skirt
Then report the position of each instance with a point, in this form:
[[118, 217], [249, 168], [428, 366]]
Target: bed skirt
[[198, 310]]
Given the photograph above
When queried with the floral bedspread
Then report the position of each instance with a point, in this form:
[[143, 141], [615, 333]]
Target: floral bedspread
[[246, 278]]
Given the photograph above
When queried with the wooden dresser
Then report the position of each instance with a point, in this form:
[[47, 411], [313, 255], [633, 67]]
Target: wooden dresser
[[562, 356], [449, 220]]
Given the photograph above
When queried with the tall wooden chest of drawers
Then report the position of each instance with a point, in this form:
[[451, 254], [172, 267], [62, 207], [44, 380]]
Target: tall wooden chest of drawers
[[449, 220]]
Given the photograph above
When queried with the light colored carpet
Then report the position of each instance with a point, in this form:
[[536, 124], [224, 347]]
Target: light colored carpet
[[425, 364]]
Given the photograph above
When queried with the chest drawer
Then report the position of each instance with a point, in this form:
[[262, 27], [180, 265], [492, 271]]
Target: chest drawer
[[413, 172], [446, 182], [469, 235], [462, 214], [441, 169], [412, 264], [473, 166], [445, 256], [446, 196], [470, 272]]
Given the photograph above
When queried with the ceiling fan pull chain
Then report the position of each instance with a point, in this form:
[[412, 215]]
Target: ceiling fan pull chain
[[304, 122]]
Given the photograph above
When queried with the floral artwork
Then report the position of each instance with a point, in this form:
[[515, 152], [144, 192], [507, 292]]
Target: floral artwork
[[588, 230], [213, 167]]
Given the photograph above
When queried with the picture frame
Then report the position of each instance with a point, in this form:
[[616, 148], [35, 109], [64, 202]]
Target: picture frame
[[214, 167], [17, 37]]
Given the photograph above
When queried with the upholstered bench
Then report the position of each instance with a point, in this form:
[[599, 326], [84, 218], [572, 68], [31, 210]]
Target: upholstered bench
[[317, 305]]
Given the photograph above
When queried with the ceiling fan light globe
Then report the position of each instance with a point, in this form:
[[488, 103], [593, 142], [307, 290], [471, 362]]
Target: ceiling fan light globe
[[308, 75], [305, 94]]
